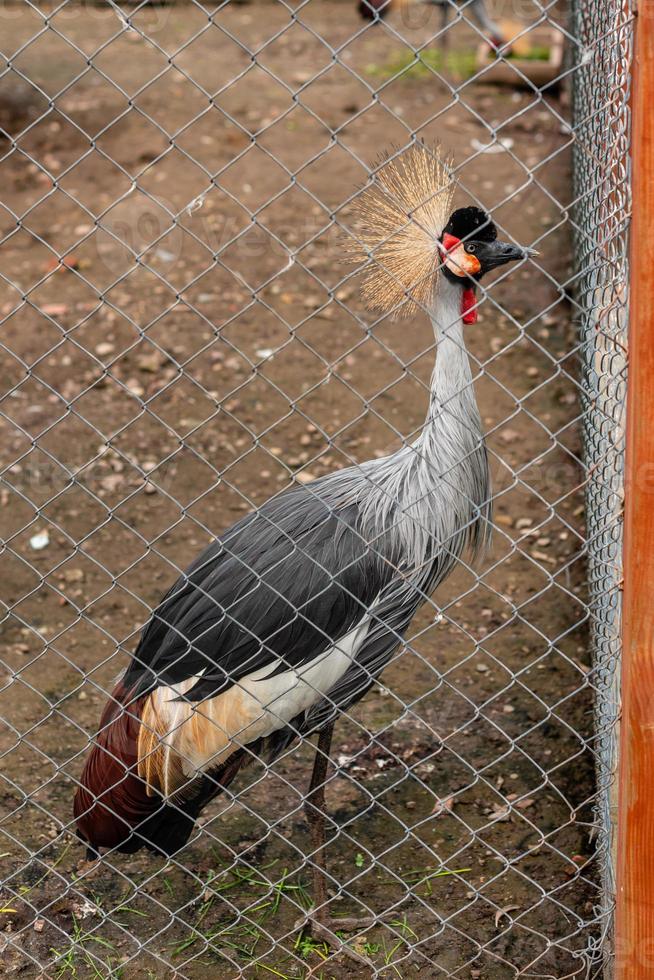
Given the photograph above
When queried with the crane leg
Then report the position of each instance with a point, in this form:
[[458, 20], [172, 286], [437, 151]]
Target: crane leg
[[487, 24], [319, 920], [444, 36], [314, 809]]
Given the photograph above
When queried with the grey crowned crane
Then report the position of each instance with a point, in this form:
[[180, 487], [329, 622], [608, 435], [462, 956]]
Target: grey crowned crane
[[479, 12], [287, 619], [376, 10]]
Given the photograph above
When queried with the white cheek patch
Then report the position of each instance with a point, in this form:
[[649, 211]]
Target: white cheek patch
[[460, 263]]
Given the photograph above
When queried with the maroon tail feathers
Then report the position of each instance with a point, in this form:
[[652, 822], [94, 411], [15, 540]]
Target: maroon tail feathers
[[113, 808], [112, 799]]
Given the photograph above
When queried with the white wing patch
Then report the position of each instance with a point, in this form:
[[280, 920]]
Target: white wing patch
[[182, 739]]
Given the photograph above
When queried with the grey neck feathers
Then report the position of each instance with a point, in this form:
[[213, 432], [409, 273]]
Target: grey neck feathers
[[452, 412], [430, 499]]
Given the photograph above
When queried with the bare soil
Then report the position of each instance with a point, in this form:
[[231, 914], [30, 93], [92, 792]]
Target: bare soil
[[171, 376]]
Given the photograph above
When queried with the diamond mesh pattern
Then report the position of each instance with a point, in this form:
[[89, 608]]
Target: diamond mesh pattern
[[603, 206], [182, 338]]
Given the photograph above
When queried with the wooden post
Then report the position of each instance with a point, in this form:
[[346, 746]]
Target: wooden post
[[634, 936]]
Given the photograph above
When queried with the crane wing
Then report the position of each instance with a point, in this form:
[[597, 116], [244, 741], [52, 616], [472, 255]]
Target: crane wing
[[276, 590], [280, 623]]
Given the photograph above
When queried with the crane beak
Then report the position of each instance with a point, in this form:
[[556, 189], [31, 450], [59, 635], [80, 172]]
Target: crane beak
[[494, 254], [491, 255]]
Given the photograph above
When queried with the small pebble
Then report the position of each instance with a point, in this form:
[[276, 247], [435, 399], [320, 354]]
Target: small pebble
[[103, 349]]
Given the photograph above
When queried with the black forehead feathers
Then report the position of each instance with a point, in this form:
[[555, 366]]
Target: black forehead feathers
[[471, 223]]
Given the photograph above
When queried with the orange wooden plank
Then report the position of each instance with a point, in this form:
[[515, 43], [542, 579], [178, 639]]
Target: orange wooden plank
[[635, 896]]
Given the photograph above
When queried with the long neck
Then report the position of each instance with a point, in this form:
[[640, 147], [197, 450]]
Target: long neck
[[431, 498], [449, 465], [452, 406]]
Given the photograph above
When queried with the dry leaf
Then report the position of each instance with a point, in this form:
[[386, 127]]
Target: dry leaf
[[443, 806], [505, 911], [525, 804]]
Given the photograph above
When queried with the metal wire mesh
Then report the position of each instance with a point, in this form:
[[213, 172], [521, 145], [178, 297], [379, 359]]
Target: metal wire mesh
[[603, 207], [182, 339]]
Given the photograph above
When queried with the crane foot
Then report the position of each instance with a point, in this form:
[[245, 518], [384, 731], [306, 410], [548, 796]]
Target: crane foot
[[326, 928]]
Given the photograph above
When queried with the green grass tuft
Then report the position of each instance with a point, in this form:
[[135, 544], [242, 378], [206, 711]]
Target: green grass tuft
[[459, 64], [540, 52]]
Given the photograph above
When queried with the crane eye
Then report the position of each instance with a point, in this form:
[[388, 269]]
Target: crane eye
[[471, 247]]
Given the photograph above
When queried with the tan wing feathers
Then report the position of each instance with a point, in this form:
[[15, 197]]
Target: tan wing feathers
[[177, 739]]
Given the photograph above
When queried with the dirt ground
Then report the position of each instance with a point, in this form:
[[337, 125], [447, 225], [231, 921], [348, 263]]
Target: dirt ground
[[147, 404]]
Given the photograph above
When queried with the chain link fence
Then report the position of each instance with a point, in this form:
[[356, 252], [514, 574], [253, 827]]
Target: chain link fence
[[602, 211], [182, 338]]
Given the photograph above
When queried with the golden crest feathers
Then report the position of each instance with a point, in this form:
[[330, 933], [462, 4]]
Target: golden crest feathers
[[399, 219]]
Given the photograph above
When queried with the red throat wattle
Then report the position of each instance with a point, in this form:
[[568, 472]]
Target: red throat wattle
[[468, 298], [469, 305]]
